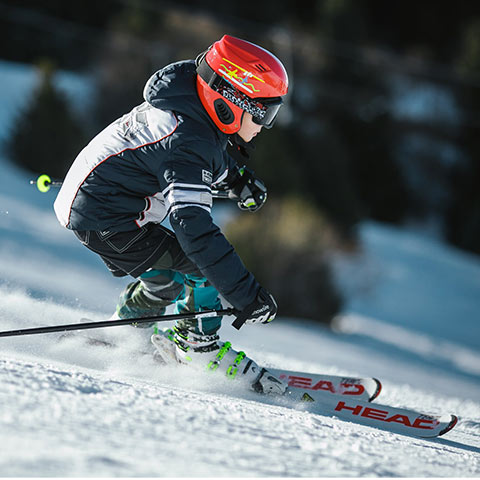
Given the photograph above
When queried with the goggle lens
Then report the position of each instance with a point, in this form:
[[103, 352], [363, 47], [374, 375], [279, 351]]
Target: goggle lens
[[271, 108]]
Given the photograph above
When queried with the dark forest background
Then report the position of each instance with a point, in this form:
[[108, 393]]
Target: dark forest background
[[382, 121]]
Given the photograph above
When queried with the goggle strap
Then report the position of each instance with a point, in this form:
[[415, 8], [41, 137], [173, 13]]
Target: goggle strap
[[206, 72]]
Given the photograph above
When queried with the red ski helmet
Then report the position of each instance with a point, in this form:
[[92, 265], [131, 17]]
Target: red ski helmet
[[234, 76]]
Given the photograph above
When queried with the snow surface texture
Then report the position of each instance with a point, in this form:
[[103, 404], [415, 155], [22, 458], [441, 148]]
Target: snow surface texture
[[411, 319]]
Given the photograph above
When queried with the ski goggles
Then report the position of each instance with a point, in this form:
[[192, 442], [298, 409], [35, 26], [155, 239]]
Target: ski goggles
[[263, 110]]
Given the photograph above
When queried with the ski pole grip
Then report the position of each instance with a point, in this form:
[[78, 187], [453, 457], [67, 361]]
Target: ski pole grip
[[241, 317], [239, 321]]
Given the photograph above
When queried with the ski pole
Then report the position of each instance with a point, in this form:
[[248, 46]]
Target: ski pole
[[44, 183], [114, 323]]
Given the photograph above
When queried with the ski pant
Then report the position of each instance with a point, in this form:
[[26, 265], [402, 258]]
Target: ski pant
[[154, 256]]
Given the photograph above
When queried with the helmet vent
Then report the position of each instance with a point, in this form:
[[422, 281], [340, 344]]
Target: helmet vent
[[223, 111], [261, 68]]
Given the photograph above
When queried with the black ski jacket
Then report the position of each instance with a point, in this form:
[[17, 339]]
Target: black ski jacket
[[158, 161]]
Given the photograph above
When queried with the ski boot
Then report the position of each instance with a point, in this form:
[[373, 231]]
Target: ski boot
[[207, 353], [135, 302]]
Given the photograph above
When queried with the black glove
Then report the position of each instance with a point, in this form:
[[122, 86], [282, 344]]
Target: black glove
[[250, 192], [262, 310]]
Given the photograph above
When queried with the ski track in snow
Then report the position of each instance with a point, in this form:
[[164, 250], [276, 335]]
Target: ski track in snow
[[69, 410]]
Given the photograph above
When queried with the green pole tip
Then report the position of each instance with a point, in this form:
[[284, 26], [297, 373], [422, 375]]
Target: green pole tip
[[43, 183]]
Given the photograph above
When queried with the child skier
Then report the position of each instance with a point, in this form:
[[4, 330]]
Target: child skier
[[162, 161]]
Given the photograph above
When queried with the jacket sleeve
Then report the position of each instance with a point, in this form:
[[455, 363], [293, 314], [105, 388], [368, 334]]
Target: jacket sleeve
[[231, 176], [189, 200]]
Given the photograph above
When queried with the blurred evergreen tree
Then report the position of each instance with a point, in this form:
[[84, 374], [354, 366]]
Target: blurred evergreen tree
[[354, 103], [46, 136], [313, 168], [337, 152], [463, 219], [68, 32], [123, 64]]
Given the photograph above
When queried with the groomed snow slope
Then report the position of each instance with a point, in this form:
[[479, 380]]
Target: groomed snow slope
[[71, 410]]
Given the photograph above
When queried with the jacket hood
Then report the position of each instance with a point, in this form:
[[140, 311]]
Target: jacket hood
[[174, 88]]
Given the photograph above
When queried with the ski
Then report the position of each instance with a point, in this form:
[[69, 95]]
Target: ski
[[367, 389], [397, 420]]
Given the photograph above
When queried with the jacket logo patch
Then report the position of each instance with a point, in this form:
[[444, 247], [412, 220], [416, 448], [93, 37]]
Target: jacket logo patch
[[207, 177]]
